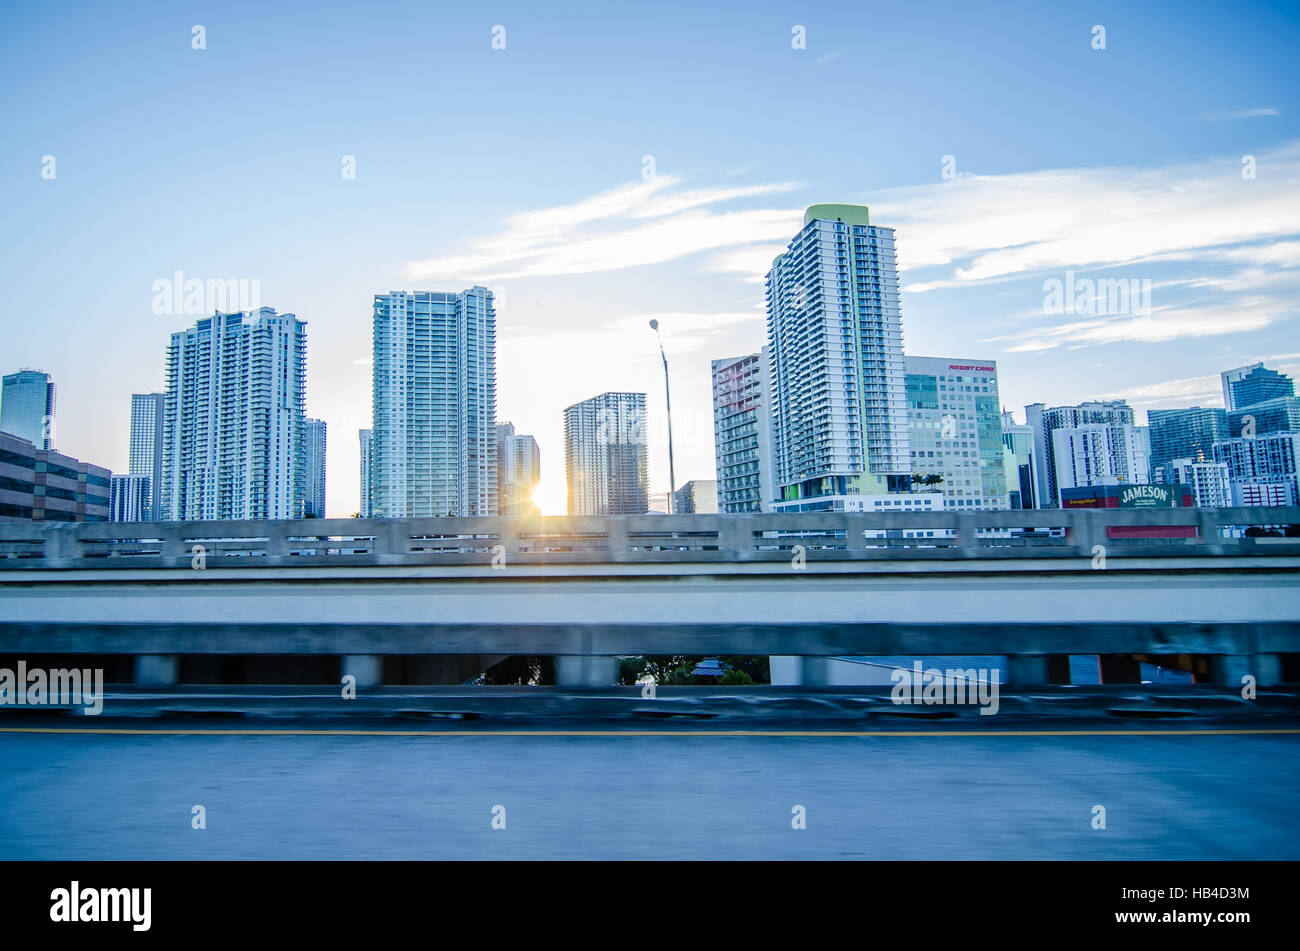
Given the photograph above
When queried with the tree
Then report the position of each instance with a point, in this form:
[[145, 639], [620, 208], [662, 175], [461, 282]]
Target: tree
[[674, 670], [735, 676], [519, 669]]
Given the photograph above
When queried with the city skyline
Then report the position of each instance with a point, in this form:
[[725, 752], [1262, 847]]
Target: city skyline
[[587, 239]]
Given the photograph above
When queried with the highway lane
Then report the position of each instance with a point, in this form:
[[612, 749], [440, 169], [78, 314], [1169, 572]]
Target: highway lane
[[681, 795]]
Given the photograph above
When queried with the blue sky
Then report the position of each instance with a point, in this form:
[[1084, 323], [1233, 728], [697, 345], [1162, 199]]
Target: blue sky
[[523, 169]]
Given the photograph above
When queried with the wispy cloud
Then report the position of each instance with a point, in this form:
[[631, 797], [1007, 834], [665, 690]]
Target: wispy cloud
[[985, 227], [1163, 324], [646, 222], [1228, 248], [1192, 390], [1229, 114], [1222, 252], [826, 58]]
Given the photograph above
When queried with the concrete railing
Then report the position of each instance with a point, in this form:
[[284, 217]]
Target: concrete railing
[[653, 538]]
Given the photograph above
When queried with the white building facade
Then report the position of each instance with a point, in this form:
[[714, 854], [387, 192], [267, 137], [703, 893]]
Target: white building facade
[[1044, 422], [233, 426], [742, 434], [1099, 454], [128, 499], [434, 413], [835, 365], [363, 508], [1264, 470], [1209, 481]]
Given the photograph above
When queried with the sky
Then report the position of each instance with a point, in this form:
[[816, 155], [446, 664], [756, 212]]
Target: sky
[[600, 165]]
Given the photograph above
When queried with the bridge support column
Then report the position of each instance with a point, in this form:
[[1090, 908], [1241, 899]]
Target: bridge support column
[[1037, 670], [575, 670], [367, 668], [1119, 669], [815, 671], [156, 670]]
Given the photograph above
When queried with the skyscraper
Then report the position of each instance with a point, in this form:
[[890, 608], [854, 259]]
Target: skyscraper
[[742, 434], [1044, 422], [1281, 414], [519, 469], [605, 455], [233, 426], [1264, 470], [1246, 386], [835, 365], [314, 478], [434, 437], [367, 456], [148, 414], [1020, 463], [955, 423], [27, 407], [1184, 434], [1230, 378]]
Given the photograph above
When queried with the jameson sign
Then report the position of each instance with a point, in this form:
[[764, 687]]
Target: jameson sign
[[1147, 497]]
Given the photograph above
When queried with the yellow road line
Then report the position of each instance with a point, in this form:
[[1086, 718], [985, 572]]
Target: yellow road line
[[617, 733]]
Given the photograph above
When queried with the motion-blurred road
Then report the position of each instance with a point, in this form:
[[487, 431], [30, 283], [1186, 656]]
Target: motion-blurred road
[[70, 796]]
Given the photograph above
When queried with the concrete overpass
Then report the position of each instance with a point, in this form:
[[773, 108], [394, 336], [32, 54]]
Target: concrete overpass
[[1034, 586]]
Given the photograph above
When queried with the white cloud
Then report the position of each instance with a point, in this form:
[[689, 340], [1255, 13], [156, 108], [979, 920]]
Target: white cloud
[[1204, 390], [646, 222], [986, 227], [1228, 114], [1192, 390], [1162, 324]]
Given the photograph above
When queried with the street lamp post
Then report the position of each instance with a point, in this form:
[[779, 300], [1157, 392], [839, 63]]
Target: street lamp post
[[668, 398]]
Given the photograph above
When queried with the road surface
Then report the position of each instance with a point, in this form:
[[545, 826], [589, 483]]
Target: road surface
[[74, 796]]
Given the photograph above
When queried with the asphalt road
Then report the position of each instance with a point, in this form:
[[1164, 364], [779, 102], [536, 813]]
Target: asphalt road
[[67, 796]]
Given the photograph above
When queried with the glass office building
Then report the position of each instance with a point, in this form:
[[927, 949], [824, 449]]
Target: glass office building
[[314, 483], [955, 434], [27, 407], [1188, 433], [1246, 386], [519, 470], [1278, 415], [1020, 463], [148, 415], [605, 455]]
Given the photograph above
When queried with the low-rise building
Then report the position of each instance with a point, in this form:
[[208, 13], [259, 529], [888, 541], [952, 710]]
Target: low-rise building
[[42, 485]]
